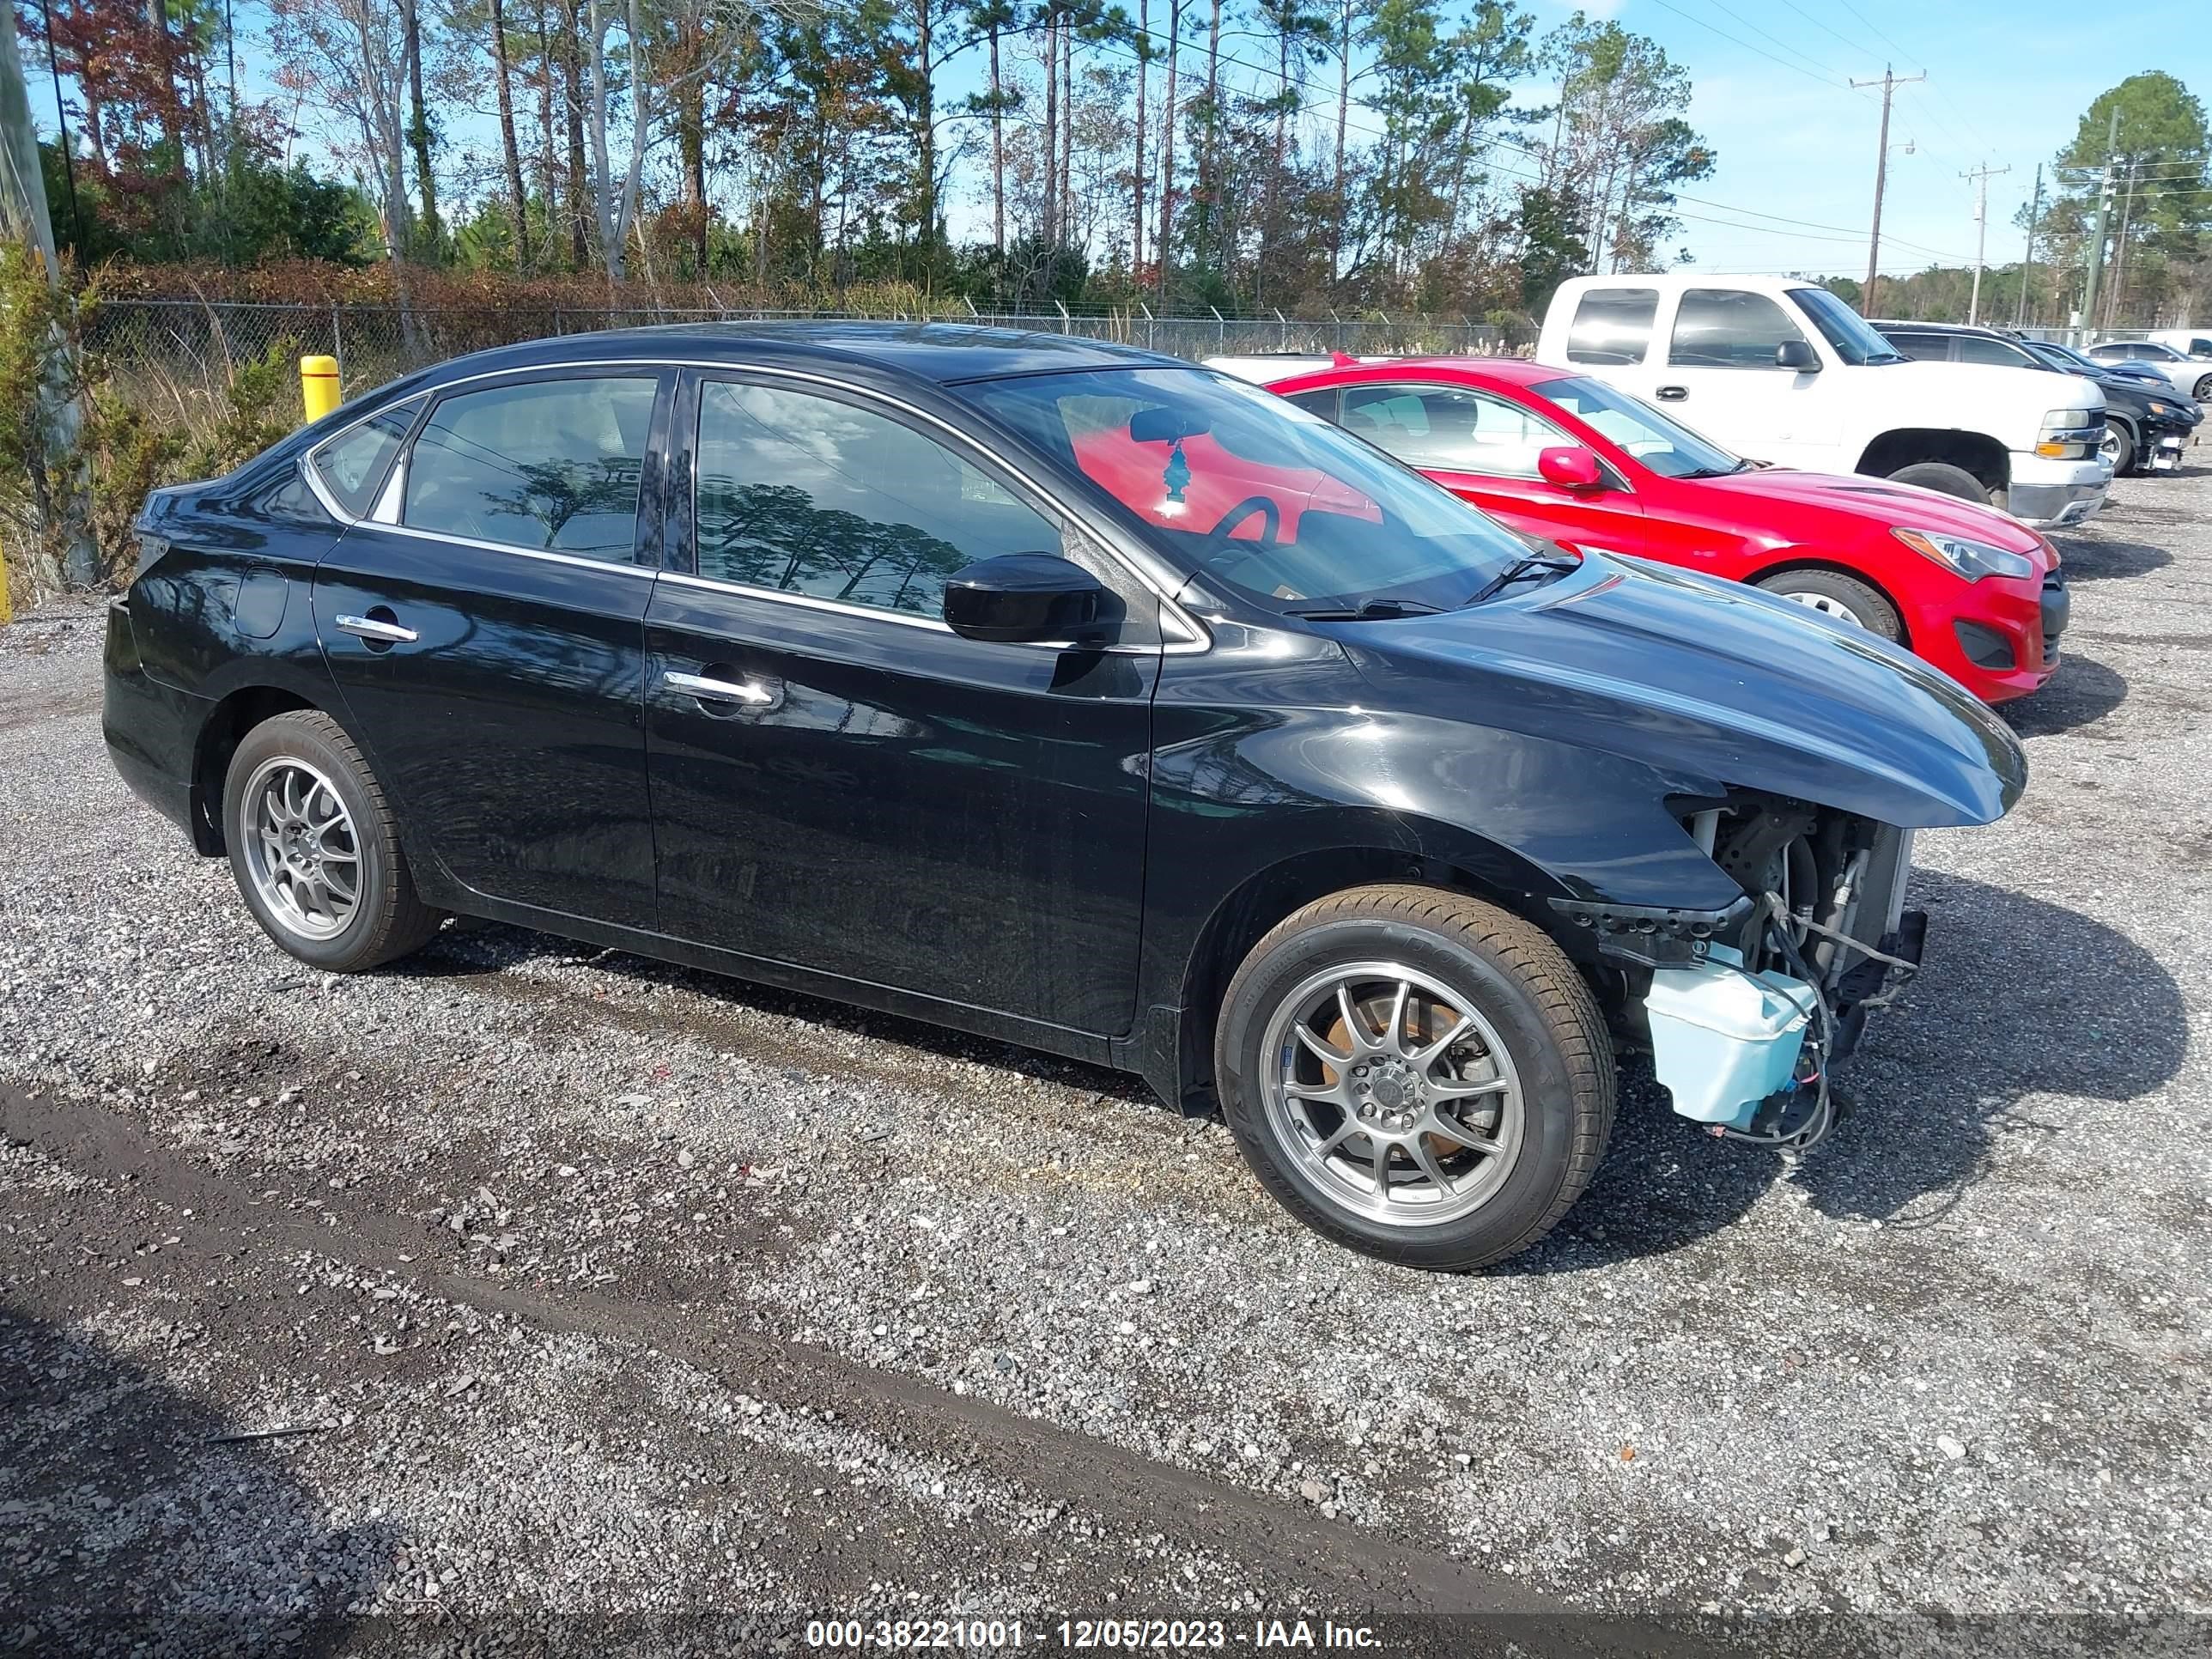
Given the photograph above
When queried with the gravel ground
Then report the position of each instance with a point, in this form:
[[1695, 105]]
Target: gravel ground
[[599, 1296]]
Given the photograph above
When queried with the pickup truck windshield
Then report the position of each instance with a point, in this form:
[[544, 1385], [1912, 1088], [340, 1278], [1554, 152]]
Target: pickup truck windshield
[[1857, 341], [1671, 451], [1225, 478]]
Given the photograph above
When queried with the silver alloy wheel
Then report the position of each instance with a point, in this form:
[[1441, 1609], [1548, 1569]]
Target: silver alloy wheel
[[1828, 606], [1392, 1097], [300, 847], [2108, 450]]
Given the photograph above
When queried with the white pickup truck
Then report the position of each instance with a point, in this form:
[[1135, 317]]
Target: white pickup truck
[[1783, 371]]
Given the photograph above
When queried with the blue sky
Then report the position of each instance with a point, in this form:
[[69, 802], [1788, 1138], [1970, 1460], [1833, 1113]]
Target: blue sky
[[2007, 81]]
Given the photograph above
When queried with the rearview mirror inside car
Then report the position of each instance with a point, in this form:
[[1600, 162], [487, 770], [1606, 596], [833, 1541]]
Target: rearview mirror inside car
[[1023, 599], [1163, 425], [1798, 355]]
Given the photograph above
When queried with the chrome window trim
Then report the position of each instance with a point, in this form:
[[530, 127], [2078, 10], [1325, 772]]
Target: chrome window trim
[[806, 601], [313, 474], [879, 613], [1137, 562], [629, 565]]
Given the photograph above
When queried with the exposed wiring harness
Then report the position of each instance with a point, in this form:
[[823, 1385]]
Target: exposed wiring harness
[[1815, 1128]]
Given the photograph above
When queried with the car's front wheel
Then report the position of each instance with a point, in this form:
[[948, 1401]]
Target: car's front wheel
[[1844, 598], [1418, 1074], [2118, 449], [315, 848], [1946, 479]]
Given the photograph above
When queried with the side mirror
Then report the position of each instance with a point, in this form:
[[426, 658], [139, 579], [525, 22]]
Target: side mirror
[[1023, 599], [1798, 355], [1569, 466]]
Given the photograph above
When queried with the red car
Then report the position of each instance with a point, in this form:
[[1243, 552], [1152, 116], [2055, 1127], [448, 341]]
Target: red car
[[1570, 460]]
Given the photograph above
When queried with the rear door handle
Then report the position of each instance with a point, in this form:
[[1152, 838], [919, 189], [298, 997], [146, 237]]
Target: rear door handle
[[376, 629], [749, 694], [1673, 394]]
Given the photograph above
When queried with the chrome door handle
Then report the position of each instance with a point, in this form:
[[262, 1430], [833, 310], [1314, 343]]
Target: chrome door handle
[[1673, 394], [384, 633], [751, 693]]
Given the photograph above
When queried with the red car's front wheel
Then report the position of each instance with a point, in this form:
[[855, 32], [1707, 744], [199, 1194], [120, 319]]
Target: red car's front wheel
[[1844, 598]]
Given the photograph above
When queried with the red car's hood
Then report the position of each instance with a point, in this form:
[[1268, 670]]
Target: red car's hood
[[1882, 503]]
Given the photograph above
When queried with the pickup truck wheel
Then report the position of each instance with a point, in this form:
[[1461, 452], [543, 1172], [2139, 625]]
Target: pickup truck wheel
[[2118, 449], [1416, 1074], [1844, 598], [315, 850], [1949, 480]]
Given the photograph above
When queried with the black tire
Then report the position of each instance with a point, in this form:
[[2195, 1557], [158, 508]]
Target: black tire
[[1521, 984], [1943, 477], [388, 920], [2203, 394], [1866, 607], [2123, 444]]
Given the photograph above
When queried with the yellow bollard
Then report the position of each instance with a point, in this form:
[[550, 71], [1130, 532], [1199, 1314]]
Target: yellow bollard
[[319, 386]]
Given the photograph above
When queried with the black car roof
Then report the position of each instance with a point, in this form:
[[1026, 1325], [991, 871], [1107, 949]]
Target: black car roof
[[946, 353]]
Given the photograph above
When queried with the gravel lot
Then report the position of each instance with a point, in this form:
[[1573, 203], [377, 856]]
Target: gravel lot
[[602, 1295]]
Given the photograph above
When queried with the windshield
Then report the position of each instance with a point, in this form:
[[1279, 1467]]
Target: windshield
[[1857, 341], [1671, 451], [1278, 503]]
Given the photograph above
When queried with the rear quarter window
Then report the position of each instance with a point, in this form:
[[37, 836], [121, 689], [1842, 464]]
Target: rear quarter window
[[1612, 325]]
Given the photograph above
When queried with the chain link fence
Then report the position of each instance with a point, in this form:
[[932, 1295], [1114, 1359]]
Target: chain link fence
[[195, 344]]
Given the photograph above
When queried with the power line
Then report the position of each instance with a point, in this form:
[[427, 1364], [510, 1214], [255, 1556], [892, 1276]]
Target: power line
[[1715, 28]]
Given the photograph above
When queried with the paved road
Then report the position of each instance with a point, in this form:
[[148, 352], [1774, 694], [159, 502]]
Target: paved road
[[591, 1291]]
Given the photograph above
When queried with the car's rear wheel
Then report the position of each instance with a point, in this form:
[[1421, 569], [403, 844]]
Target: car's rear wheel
[[315, 850], [1844, 598], [2203, 394], [1417, 1074], [2118, 448], [1946, 479]]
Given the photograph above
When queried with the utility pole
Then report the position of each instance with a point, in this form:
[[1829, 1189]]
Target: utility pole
[[2027, 258], [1888, 84], [2087, 316], [2120, 253], [1980, 177]]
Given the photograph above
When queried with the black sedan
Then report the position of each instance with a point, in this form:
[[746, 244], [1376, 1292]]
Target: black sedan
[[1065, 693]]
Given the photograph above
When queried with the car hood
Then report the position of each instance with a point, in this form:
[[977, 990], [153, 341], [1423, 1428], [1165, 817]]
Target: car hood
[[1711, 683], [1882, 504], [2033, 391]]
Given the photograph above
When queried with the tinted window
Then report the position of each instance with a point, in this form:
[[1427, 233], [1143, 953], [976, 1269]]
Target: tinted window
[[807, 495], [1973, 349], [352, 465], [1727, 328], [1926, 348], [550, 465], [1450, 428], [1612, 325], [1321, 402]]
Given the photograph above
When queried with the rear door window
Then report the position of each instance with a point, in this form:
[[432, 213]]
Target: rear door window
[[1612, 325], [1924, 347], [544, 466], [1996, 353], [1728, 328]]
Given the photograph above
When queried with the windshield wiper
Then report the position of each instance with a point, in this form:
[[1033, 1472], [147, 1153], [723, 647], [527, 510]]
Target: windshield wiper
[[1368, 611], [1519, 571]]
